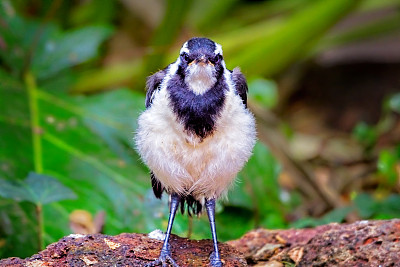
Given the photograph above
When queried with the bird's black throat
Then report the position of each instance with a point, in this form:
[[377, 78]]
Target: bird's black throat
[[198, 113]]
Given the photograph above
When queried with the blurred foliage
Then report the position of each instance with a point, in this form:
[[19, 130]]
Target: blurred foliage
[[388, 166], [264, 92], [68, 115], [394, 103], [366, 135], [38, 189]]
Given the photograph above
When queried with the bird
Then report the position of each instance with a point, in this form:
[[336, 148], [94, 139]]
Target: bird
[[195, 134]]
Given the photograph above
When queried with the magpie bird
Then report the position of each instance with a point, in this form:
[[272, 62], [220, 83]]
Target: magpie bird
[[195, 134]]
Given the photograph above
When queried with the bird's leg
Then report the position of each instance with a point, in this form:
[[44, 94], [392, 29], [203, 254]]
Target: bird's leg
[[165, 254], [215, 258]]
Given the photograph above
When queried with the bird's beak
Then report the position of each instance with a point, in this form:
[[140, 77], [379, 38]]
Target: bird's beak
[[202, 61]]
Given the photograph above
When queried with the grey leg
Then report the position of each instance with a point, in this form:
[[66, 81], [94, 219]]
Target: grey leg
[[165, 255], [215, 259]]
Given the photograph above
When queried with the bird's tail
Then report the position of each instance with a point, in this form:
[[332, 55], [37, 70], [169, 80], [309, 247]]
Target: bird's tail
[[188, 202], [193, 206]]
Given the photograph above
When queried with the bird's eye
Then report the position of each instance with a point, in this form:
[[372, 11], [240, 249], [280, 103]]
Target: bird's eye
[[185, 57], [217, 59]]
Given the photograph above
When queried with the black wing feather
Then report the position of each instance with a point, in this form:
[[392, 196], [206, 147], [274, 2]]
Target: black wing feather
[[158, 189], [240, 84], [153, 84]]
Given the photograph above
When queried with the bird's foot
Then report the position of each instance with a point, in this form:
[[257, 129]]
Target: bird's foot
[[165, 257], [215, 261]]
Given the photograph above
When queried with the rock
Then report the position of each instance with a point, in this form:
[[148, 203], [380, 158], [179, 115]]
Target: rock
[[124, 250], [364, 243]]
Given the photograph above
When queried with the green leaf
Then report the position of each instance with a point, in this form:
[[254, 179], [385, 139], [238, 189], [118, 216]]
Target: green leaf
[[258, 188], [387, 162], [364, 31], [365, 134], [44, 48], [389, 207], [93, 144], [272, 52], [167, 31], [369, 207], [20, 37], [68, 49], [304, 223], [365, 205], [337, 215], [18, 226], [86, 144], [213, 12], [233, 223], [15, 135], [37, 188], [265, 47], [93, 12], [264, 92]]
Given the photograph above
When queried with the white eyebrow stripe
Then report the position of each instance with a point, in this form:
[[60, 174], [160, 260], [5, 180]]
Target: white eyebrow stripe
[[184, 48], [218, 49]]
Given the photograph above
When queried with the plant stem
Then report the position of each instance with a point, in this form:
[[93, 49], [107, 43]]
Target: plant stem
[[30, 84], [190, 227], [31, 87], [39, 216]]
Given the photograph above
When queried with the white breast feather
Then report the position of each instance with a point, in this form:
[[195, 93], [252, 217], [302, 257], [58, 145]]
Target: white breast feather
[[200, 78]]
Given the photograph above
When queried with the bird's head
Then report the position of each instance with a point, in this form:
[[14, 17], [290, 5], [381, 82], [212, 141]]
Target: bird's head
[[202, 64]]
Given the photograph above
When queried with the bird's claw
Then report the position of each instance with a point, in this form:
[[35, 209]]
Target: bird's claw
[[164, 258], [215, 261]]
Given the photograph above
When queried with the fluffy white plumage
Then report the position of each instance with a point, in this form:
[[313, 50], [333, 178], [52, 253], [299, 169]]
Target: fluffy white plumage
[[200, 78], [186, 164]]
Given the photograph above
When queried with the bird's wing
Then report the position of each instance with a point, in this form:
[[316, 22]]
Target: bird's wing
[[158, 189], [240, 84], [153, 84]]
